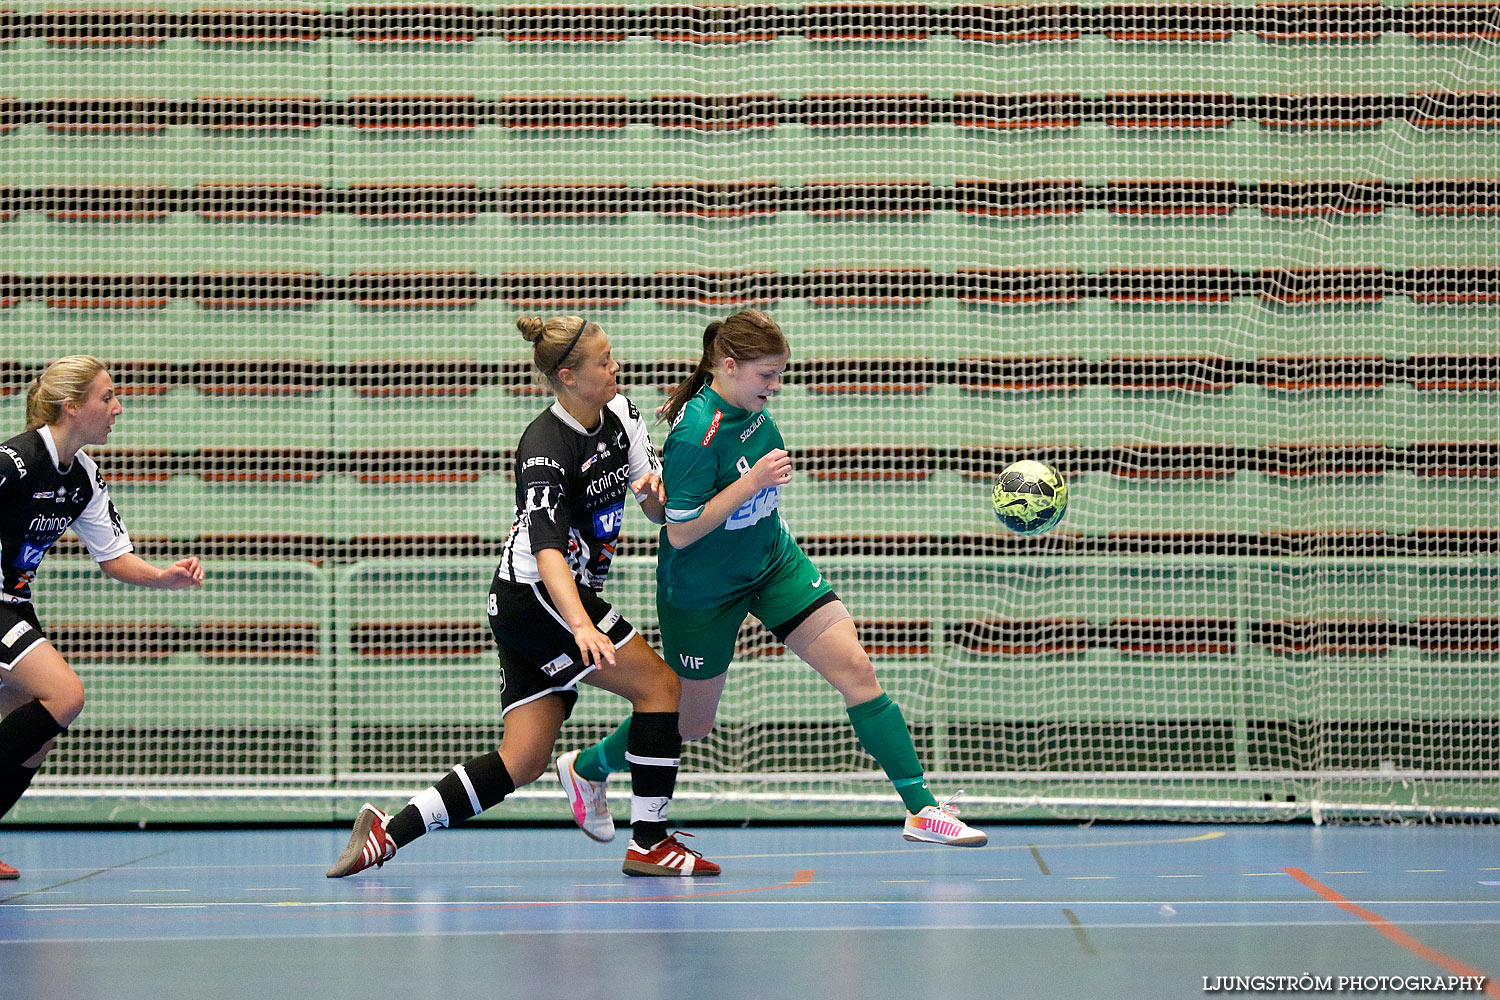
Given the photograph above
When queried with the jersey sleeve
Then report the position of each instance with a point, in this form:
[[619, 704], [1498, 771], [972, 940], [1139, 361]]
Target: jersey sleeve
[[691, 475], [542, 485], [643, 457], [99, 526], [10, 474]]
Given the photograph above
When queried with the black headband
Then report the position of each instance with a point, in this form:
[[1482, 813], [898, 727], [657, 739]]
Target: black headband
[[571, 344]]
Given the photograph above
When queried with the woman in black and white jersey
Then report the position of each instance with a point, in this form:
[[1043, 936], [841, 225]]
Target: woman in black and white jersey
[[574, 466], [47, 485]]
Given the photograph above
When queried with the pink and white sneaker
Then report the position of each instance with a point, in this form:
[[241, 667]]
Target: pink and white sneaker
[[590, 808], [369, 844], [940, 824]]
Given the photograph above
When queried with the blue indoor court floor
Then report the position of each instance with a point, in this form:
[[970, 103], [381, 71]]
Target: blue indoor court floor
[[1118, 911]]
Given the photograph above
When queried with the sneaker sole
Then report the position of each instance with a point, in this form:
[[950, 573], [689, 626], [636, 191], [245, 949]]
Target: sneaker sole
[[348, 862], [641, 868], [976, 841], [9, 876], [565, 778]]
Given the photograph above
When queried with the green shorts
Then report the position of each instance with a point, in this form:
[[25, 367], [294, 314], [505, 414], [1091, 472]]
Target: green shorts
[[698, 642]]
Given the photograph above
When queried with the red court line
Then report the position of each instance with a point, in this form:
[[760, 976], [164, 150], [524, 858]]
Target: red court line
[[1396, 934]]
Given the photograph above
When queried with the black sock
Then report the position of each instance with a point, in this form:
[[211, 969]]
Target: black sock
[[13, 784], [25, 731], [465, 791], [654, 751]]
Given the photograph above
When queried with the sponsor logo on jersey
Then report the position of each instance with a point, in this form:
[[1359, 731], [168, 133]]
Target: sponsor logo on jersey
[[690, 662], [31, 556], [44, 524], [44, 495], [20, 465], [17, 630], [607, 522], [607, 483], [598, 454], [542, 460], [760, 418], [713, 427], [758, 507]]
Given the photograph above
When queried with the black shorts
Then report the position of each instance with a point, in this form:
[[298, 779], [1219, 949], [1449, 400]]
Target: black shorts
[[538, 654], [20, 633]]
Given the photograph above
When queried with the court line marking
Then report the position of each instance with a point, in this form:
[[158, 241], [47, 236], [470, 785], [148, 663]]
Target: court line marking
[[694, 897], [801, 877], [577, 859], [1080, 933], [1396, 934], [1036, 856], [71, 881], [905, 927]]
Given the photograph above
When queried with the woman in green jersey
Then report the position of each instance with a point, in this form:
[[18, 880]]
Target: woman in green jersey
[[725, 553]]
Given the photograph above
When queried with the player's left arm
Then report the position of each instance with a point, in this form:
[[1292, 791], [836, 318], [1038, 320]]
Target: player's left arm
[[103, 534], [132, 569]]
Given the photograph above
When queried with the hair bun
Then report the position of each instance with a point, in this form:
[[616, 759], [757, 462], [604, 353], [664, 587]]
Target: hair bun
[[532, 328]]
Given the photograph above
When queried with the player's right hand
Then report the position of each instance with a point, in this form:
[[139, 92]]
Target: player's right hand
[[773, 469], [594, 646]]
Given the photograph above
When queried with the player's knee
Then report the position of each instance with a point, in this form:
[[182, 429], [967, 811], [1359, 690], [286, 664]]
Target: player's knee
[[65, 701], [527, 767], [857, 676], [670, 686]]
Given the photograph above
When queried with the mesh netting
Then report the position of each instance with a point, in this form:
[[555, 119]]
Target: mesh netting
[[1234, 269]]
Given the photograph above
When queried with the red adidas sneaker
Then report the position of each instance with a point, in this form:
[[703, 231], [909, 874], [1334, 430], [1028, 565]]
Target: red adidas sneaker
[[369, 844], [670, 857]]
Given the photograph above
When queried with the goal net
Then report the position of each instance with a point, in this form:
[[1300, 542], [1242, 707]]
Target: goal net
[[1234, 269]]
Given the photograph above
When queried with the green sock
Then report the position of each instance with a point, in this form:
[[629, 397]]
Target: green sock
[[882, 731], [605, 757]]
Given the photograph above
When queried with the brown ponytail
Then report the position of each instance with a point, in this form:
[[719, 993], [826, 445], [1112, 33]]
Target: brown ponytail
[[746, 336]]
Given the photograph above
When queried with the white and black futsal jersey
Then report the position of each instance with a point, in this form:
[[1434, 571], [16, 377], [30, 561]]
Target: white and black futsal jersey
[[39, 501], [571, 486]]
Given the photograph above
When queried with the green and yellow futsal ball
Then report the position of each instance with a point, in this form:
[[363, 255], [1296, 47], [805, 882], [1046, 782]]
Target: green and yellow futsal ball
[[1030, 497]]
